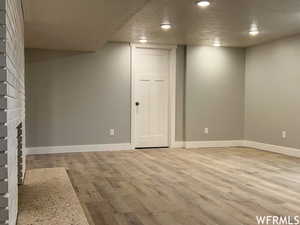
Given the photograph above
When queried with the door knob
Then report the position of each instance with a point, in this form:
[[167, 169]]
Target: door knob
[[137, 103]]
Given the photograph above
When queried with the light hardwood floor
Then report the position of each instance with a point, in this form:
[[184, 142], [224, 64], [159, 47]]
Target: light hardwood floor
[[216, 186]]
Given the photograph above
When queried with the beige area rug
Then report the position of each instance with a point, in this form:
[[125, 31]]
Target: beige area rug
[[48, 198]]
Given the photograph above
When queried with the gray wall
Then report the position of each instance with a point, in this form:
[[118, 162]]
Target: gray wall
[[74, 98], [214, 93], [273, 93], [12, 106], [180, 92]]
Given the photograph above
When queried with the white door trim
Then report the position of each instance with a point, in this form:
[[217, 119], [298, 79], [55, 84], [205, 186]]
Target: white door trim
[[172, 89]]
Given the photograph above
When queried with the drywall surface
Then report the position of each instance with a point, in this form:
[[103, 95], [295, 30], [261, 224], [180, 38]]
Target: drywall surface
[[75, 98], [180, 92], [272, 93], [214, 96]]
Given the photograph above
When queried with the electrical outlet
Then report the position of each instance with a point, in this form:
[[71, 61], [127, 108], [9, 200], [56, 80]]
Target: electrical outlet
[[283, 134], [206, 130], [112, 132]]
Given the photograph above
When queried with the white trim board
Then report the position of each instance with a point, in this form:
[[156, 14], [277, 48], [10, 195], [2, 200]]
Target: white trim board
[[240, 143], [213, 144], [273, 148], [78, 148], [243, 143], [178, 144], [172, 88], [181, 144]]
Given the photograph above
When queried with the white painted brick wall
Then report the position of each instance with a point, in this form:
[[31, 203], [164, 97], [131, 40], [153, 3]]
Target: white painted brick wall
[[12, 104]]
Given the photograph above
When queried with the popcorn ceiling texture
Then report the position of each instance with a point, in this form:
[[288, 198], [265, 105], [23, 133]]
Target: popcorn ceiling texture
[[75, 24], [229, 21]]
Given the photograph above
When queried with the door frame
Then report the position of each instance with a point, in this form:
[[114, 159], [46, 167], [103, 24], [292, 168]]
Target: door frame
[[172, 89]]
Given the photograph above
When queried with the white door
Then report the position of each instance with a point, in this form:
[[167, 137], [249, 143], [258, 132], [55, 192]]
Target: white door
[[151, 74]]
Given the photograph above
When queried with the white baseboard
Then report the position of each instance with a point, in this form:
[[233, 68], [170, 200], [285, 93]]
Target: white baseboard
[[213, 144], [78, 148], [194, 144], [273, 148], [178, 144], [244, 143]]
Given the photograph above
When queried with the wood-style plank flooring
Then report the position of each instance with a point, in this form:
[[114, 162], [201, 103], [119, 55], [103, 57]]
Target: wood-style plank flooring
[[216, 186]]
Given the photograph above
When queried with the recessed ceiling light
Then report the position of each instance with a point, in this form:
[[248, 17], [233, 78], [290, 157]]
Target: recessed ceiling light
[[253, 30], [143, 40], [166, 26], [217, 43], [203, 3]]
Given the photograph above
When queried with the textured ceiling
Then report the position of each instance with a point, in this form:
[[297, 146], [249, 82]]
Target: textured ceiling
[[87, 24], [228, 20], [75, 24]]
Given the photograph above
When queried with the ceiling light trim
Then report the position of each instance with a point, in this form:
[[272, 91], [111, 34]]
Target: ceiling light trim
[[254, 31], [203, 3], [143, 40], [166, 26]]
